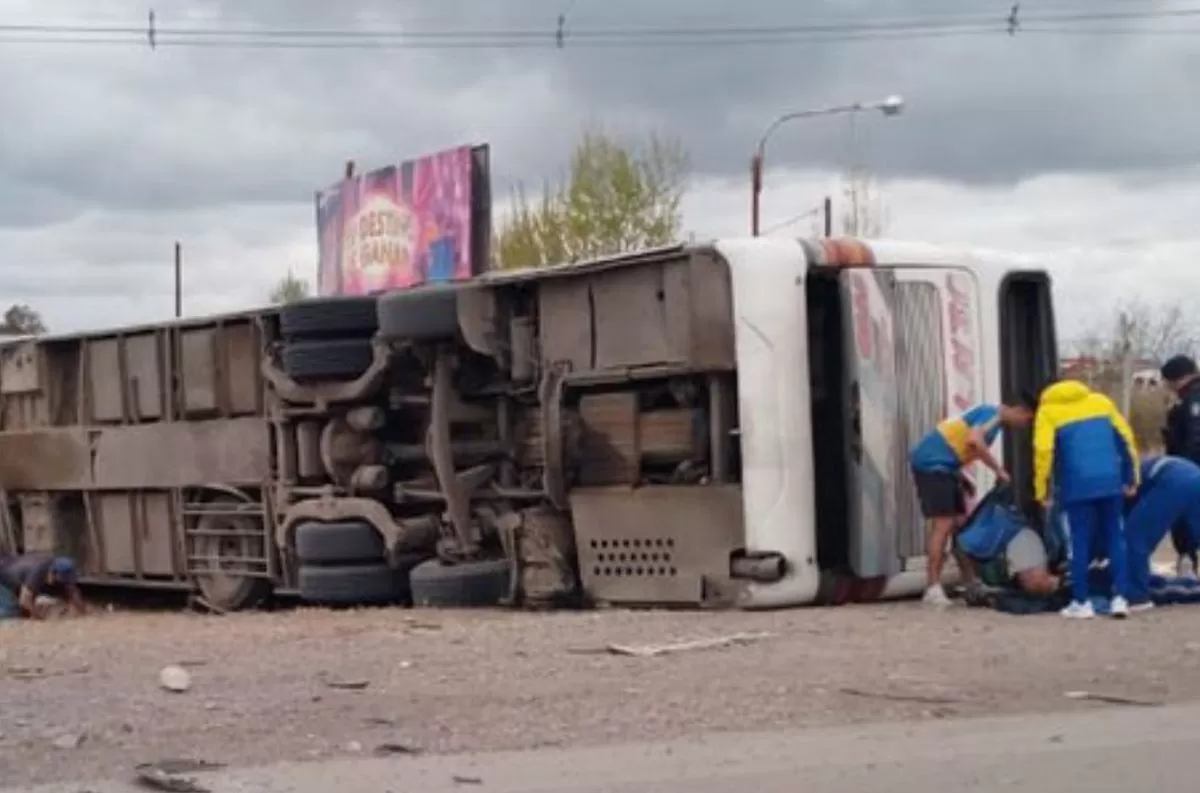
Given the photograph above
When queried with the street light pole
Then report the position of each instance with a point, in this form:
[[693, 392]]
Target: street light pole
[[890, 106]]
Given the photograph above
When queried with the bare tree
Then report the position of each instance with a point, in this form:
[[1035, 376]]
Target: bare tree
[[1136, 331], [865, 212], [1143, 330]]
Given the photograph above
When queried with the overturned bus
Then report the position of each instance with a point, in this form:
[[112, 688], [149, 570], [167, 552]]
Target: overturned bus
[[705, 425]]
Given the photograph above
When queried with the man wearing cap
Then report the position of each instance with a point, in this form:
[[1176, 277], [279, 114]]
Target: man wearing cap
[[1181, 435], [24, 578]]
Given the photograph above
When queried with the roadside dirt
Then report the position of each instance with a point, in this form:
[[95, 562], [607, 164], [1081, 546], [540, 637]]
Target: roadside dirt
[[445, 682]]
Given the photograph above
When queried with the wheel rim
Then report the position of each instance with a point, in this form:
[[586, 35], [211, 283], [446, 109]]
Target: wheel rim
[[227, 579]]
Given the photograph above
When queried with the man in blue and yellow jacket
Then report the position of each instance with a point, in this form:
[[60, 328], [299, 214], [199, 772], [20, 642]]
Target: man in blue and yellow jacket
[[1083, 443]]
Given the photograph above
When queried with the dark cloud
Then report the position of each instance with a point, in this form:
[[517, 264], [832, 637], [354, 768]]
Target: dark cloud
[[200, 127], [109, 154]]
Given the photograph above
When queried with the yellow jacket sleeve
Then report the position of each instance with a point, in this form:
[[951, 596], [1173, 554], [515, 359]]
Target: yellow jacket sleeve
[[1044, 430], [1130, 442]]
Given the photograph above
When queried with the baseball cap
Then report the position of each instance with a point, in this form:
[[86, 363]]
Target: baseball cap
[[1178, 367], [63, 568]]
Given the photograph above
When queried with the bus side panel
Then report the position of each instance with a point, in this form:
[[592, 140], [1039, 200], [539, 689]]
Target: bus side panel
[[159, 455], [870, 393]]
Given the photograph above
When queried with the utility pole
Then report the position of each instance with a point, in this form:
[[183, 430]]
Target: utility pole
[[178, 280], [891, 106], [1126, 325], [828, 210]]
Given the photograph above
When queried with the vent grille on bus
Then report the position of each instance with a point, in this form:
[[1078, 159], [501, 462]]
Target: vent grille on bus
[[920, 368]]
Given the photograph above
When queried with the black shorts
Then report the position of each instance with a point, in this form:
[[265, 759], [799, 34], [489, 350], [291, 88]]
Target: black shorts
[[940, 494]]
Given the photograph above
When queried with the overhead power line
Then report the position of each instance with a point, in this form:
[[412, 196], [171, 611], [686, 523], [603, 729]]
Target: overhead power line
[[560, 34]]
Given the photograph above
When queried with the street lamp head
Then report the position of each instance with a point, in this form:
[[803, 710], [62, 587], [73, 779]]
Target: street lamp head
[[892, 106]]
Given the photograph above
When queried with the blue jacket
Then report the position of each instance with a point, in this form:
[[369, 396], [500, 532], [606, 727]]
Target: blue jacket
[[1082, 441], [1177, 476], [947, 446]]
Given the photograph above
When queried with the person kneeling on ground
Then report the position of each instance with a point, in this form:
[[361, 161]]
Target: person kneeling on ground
[[1169, 495], [937, 461], [24, 578]]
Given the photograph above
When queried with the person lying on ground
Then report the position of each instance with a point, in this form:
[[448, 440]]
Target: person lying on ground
[[1169, 496], [1080, 436], [1024, 565], [23, 579], [937, 462], [1020, 563]]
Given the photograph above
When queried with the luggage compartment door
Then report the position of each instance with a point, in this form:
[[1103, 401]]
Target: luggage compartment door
[[871, 397]]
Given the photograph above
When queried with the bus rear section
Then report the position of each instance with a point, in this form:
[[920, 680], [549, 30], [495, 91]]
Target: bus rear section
[[902, 335]]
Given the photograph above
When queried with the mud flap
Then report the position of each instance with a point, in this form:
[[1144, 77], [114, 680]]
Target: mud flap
[[870, 392]]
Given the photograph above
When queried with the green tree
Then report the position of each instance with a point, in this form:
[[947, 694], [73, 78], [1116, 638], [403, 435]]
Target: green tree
[[21, 320], [290, 289], [617, 197]]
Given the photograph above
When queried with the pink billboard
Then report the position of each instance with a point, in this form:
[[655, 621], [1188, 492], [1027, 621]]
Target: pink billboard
[[422, 221]]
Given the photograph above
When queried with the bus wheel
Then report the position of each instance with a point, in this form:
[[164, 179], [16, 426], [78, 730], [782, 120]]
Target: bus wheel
[[228, 563], [465, 584]]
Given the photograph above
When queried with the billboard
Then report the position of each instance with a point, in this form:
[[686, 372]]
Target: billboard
[[425, 220]]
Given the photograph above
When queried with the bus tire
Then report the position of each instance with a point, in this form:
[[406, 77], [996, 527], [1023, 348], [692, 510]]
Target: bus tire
[[225, 539], [351, 585], [435, 584], [327, 359], [424, 314], [324, 317], [338, 542]]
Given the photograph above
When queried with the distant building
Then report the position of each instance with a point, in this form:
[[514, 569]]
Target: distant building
[[1147, 378], [1092, 369]]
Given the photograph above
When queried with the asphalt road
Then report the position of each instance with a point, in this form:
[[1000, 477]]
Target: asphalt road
[[1090, 750]]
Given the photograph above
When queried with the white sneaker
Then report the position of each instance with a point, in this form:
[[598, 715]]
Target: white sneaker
[[1119, 608], [1145, 605], [936, 596], [1079, 611]]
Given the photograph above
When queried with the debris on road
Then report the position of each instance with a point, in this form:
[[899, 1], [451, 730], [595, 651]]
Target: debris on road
[[388, 749], [414, 624], [175, 678], [655, 650], [69, 740], [1113, 699], [923, 699], [170, 775], [37, 672], [466, 780], [344, 685]]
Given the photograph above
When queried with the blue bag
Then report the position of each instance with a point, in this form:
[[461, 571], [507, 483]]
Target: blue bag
[[991, 526]]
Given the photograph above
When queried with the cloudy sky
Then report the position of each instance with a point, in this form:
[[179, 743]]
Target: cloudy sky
[[1078, 138]]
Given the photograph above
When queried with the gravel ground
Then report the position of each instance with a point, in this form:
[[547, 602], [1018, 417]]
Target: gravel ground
[[446, 682]]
